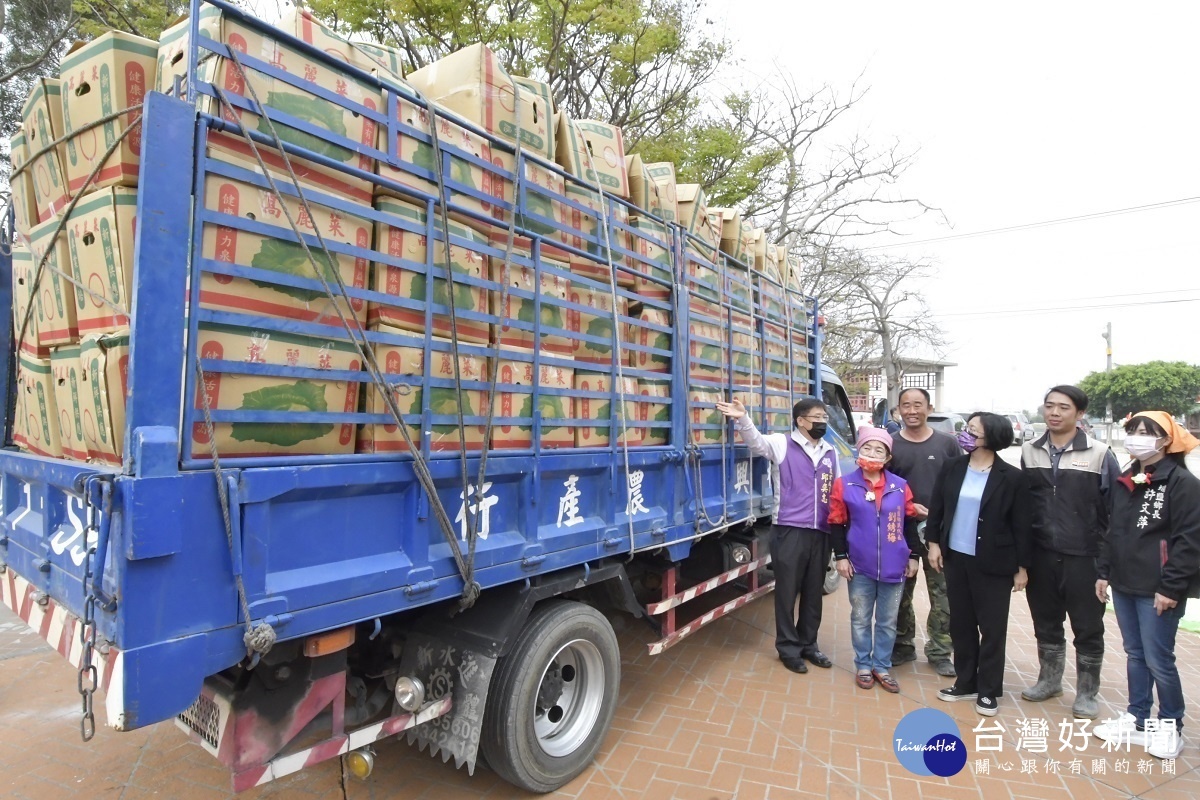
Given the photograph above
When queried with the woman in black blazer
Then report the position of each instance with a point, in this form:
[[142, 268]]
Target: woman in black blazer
[[979, 531]]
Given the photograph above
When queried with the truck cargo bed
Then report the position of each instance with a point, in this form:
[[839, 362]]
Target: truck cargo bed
[[326, 540]]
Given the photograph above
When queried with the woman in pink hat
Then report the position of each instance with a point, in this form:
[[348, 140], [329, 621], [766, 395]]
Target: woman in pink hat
[[873, 523]]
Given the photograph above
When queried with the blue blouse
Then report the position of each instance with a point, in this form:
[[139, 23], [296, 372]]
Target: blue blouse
[[965, 526]]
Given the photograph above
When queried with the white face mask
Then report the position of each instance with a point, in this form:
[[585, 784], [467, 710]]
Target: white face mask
[[1142, 446]]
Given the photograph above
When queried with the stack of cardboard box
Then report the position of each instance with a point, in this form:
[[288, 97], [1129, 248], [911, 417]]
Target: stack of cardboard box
[[250, 392], [255, 264], [387, 246], [514, 399], [583, 246], [341, 128], [644, 191], [73, 357], [404, 366]]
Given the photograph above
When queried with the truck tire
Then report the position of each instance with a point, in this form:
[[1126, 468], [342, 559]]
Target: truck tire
[[552, 697]]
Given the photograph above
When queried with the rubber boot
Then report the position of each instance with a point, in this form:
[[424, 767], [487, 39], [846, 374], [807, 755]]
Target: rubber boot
[[1052, 658], [1087, 685]]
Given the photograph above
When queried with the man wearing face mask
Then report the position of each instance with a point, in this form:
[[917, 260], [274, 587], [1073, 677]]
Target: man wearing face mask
[[1070, 476], [806, 467]]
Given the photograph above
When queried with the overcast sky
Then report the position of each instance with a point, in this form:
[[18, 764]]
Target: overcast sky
[[1024, 112]]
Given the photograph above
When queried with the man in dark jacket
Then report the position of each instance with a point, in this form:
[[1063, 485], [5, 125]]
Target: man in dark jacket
[[1070, 475]]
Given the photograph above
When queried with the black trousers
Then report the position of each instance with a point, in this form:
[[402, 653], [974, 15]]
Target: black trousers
[[978, 623], [799, 557], [1062, 586]]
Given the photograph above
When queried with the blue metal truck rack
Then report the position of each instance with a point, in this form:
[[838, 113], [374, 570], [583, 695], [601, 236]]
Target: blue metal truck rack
[[341, 556]]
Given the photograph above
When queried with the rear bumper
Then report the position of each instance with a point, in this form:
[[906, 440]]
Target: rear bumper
[[62, 631]]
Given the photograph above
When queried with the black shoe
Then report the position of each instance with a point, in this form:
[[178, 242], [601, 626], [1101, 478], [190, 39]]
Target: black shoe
[[903, 658], [987, 706], [954, 693], [817, 658], [795, 665]]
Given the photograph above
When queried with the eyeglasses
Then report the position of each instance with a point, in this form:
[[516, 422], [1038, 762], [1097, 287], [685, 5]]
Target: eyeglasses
[[822, 418]]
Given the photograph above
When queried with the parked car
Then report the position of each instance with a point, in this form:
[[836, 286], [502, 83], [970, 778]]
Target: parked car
[[1022, 427], [947, 422]]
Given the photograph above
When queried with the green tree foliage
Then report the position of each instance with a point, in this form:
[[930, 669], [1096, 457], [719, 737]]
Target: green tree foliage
[[649, 66], [145, 18], [1170, 386], [34, 36], [639, 64], [726, 150]]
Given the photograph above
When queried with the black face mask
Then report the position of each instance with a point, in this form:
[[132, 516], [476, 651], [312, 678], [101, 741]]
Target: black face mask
[[817, 431]]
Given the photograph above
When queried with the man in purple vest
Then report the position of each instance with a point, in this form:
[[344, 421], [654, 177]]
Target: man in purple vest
[[800, 547]]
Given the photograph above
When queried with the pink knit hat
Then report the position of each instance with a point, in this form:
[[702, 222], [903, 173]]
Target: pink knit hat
[[869, 434]]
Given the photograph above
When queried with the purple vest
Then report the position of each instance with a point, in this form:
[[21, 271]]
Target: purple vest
[[804, 488], [875, 537]]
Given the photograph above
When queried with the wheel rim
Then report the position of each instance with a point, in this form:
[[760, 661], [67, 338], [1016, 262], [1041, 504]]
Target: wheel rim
[[569, 698]]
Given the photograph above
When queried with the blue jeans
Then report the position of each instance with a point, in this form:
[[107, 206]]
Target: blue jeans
[[869, 599], [1149, 641]]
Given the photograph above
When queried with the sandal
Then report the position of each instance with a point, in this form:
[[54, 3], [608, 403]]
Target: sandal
[[865, 680], [886, 681]]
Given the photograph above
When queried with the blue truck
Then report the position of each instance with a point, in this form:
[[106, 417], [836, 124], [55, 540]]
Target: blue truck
[[287, 608]]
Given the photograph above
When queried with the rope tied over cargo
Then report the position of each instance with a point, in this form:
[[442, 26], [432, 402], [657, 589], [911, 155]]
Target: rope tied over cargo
[[358, 337], [260, 638], [605, 203], [69, 136], [695, 455], [471, 587], [43, 263]]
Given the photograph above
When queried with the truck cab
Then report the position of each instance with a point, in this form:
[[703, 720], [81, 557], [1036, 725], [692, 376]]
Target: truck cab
[[842, 430]]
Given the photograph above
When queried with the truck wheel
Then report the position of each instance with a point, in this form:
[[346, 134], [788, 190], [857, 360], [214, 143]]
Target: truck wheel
[[832, 579], [552, 698]]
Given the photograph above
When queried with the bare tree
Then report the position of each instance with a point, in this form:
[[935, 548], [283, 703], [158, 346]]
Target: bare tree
[[33, 35], [787, 157], [874, 310]]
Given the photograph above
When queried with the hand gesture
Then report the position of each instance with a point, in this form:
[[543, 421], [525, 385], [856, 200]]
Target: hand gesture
[[934, 556], [1020, 580], [733, 410], [1163, 603]]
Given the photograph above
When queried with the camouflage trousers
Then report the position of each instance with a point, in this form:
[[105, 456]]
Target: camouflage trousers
[[937, 624]]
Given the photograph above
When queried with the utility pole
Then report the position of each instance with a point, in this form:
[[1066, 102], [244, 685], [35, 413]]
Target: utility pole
[[1108, 415]]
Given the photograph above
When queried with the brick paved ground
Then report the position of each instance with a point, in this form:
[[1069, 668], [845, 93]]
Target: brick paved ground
[[715, 717]]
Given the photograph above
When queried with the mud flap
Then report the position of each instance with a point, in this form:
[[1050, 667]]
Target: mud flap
[[464, 675]]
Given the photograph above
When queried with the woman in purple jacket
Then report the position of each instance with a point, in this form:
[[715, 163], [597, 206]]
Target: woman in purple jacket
[[874, 526]]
